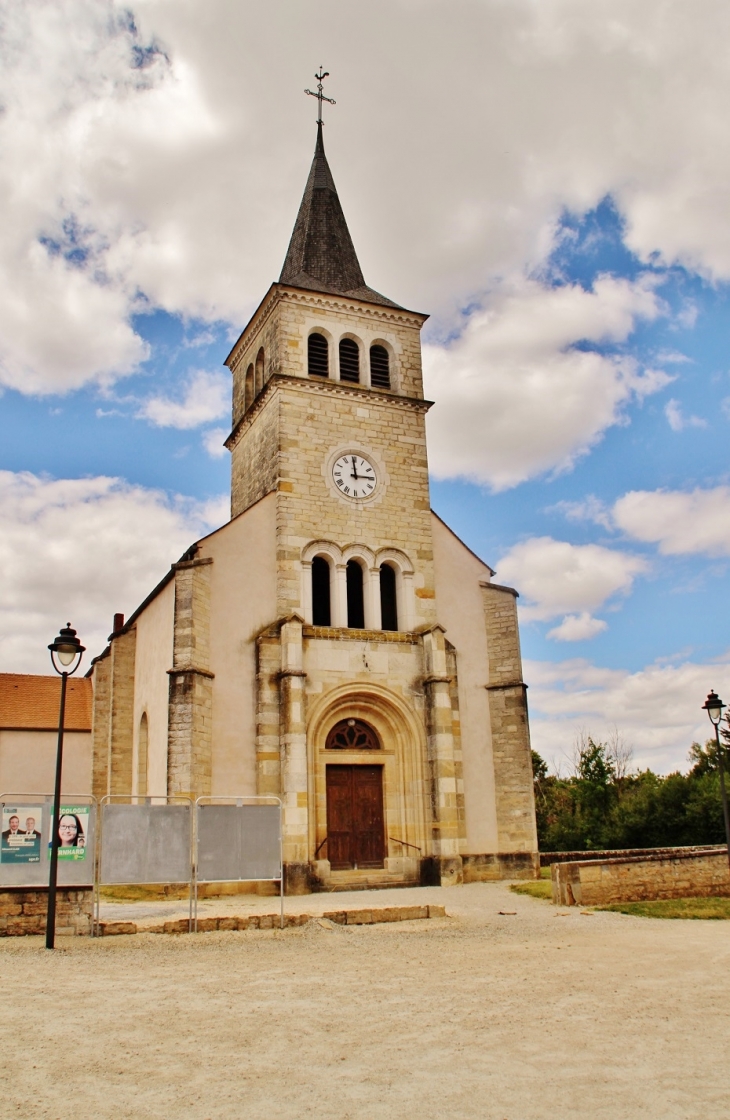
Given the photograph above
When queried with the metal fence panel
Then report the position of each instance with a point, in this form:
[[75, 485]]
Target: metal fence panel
[[28, 865], [146, 844], [219, 843], [239, 842], [260, 842]]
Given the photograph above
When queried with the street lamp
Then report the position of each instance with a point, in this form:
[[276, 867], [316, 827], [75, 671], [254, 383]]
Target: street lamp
[[65, 650], [713, 705]]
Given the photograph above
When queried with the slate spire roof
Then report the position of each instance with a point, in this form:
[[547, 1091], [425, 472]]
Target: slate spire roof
[[321, 255]]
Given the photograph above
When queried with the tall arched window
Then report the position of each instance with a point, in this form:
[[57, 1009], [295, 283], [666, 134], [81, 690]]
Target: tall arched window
[[321, 609], [349, 360], [388, 597], [379, 367], [248, 389], [259, 372], [318, 356], [143, 756], [355, 597]]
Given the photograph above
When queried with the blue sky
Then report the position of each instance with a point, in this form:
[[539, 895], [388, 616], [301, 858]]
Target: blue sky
[[570, 241]]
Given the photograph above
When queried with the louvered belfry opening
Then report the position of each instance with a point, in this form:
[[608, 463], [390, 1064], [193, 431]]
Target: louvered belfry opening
[[349, 360], [355, 597], [321, 610], [379, 367], [388, 598], [318, 356]]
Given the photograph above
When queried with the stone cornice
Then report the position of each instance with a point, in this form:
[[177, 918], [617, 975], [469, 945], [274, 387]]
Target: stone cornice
[[325, 385], [324, 300]]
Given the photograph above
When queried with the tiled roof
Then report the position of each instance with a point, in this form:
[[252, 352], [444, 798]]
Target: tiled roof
[[32, 703], [321, 255]]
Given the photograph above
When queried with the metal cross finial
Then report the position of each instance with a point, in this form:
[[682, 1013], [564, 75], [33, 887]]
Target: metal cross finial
[[319, 94]]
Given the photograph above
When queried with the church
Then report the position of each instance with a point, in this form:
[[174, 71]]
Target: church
[[334, 644]]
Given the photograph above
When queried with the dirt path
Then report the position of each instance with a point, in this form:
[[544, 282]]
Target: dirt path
[[480, 1015]]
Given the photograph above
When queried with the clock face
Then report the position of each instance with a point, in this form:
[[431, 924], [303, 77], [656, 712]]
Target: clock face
[[354, 476]]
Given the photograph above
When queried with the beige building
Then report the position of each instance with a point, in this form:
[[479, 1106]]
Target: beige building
[[334, 644], [29, 709]]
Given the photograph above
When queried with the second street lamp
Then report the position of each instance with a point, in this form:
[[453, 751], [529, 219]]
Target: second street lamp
[[713, 705], [66, 652]]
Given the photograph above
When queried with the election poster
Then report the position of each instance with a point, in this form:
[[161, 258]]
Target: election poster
[[73, 829], [21, 833]]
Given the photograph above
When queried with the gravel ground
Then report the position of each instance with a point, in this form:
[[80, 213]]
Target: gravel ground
[[543, 1013]]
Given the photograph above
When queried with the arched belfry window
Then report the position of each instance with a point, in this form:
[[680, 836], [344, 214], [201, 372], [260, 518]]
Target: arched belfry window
[[349, 360], [249, 390], [317, 356], [355, 596], [352, 735], [260, 359], [379, 367], [321, 605], [388, 597]]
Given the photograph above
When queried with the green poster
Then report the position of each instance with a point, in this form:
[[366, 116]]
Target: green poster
[[21, 834], [73, 828]]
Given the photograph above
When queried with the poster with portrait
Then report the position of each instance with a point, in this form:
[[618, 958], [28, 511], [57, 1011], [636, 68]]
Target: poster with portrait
[[21, 833], [73, 829]]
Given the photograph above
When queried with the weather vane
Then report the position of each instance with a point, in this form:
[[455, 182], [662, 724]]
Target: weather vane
[[319, 94]]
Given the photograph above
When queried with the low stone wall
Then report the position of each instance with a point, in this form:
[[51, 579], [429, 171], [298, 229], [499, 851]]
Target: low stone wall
[[23, 911], [547, 859], [500, 865], [693, 874]]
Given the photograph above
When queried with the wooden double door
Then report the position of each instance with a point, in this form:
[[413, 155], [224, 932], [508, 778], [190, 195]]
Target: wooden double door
[[355, 826]]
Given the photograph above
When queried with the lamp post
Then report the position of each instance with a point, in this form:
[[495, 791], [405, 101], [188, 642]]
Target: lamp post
[[713, 705], [65, 650]]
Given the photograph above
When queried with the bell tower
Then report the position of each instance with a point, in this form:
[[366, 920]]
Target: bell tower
[[328, 413]]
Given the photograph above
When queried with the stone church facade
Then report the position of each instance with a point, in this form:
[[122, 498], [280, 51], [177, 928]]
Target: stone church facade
[[334, 644]]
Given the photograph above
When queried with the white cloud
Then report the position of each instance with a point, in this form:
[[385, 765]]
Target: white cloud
[[590, 509], [516, 396], [558, 578], [657, 709], [577, 628], [174, 184], [213, 442], [83, 549], [678, 421], [679, 522], [206, 397]]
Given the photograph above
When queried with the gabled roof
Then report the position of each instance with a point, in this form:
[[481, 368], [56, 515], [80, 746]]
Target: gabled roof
[[321, 256], [31, 703]]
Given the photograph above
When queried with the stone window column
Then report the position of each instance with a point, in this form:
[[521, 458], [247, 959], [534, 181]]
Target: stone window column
[[339, 596], [307, 609], [446, 820], [373, 614]]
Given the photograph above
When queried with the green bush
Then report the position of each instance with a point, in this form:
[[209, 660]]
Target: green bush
[[599, 808]]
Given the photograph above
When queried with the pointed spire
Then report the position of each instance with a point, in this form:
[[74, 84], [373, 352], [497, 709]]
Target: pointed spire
[[321, 255]]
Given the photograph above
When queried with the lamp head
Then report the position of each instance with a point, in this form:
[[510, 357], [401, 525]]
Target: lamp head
[[713, 705], [66, 648]]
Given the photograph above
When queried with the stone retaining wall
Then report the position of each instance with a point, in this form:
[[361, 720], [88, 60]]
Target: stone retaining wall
[[693, 874], [23, 911], [547, 859]]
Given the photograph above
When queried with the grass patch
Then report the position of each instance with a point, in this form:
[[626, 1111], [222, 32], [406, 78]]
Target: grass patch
[[716, 908], [545, 872], [535, 888]]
